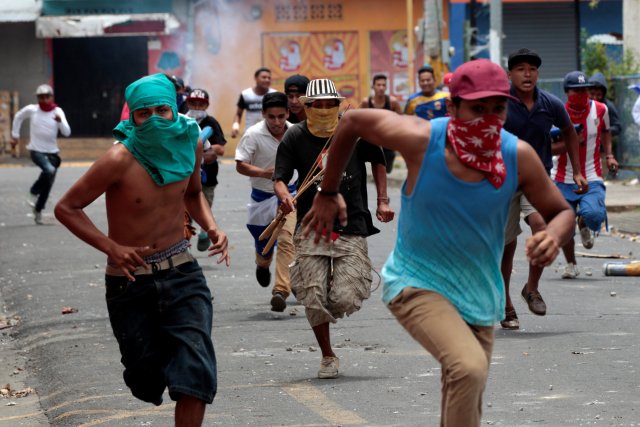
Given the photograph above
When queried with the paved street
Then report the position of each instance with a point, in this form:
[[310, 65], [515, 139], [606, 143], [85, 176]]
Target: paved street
[[576, 366]]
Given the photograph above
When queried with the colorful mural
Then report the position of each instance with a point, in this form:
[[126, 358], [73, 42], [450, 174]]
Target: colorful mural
[[166, 54], [333, 55], [389, 55]]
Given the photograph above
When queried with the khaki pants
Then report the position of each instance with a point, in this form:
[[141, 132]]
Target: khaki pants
[[285, 253], [463, 350]]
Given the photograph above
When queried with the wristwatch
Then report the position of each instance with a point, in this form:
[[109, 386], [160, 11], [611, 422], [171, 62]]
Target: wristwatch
[[326, 193]]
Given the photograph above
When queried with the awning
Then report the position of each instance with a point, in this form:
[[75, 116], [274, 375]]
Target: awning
[[20, 10], [106, 25]]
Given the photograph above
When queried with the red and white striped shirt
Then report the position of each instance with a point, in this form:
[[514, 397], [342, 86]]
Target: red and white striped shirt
[[589, 152]]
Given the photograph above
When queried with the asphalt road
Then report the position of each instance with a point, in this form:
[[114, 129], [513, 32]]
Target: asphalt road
[[576, 366]]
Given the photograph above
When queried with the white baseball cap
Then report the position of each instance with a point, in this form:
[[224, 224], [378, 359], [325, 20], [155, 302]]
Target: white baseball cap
[[44, 90]]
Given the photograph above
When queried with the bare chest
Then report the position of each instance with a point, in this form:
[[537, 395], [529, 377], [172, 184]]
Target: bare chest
[[137, 193]]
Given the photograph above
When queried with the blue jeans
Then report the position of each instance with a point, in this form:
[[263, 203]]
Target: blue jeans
[[590, 206], [49, 163], [162, 322]]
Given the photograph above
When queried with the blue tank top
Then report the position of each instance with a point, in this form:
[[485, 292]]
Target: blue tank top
[[453, 245]]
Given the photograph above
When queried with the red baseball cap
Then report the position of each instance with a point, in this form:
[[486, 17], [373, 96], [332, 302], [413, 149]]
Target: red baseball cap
[[480, 78]]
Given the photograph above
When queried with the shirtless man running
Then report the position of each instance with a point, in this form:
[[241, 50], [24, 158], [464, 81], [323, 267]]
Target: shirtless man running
[[150, 178]]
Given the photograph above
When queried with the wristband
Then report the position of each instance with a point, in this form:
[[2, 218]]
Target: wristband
[[235, 126], [326, 193], [384, 199]]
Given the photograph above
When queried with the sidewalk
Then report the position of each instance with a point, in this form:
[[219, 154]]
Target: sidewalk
[[622, 200]]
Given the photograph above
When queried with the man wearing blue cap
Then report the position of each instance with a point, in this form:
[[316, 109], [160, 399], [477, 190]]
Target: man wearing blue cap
[[158, 300], [590, 209]]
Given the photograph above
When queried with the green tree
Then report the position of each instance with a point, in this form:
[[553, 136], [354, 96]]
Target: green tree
[[595, 58]]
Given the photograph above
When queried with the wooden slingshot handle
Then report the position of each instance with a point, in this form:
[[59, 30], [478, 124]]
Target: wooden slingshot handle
[[272, 226], [274, 236]]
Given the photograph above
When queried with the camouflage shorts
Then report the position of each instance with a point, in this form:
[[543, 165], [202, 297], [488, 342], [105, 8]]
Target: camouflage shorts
[[331, 279]]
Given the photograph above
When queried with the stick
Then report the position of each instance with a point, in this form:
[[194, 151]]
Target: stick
[[279, 217], [274, 237], [272, 225], [592, 255]]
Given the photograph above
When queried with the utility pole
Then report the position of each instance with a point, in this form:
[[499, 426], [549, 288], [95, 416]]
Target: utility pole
[[473, 31], [576, 14], [410, 47], [495, 33], [630, 29], [432, 43]]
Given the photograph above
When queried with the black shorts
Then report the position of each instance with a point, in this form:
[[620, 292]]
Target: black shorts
[[162, 322]]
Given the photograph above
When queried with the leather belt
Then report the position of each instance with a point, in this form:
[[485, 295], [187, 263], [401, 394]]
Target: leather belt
[[154, 267]]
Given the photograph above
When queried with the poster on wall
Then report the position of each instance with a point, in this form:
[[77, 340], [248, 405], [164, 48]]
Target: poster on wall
[[389, 55], [331, 55], [166, 55]]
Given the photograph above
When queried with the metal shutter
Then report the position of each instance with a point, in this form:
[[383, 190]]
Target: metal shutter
[[548, 28]]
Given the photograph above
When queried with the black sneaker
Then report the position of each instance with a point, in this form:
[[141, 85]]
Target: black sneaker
[[263, 275], [278, 302]]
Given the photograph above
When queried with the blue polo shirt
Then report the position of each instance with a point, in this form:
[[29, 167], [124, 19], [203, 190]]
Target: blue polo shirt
[[534, 126]]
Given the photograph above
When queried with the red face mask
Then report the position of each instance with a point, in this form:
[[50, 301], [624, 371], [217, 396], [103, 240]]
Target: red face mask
[[578, 106], [47, 105], [477, 144]]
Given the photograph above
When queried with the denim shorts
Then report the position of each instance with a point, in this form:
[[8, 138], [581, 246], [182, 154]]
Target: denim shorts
[[590, 205], [162, 322]]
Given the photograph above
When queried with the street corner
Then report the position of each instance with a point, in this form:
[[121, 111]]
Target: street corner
[[21, 404]]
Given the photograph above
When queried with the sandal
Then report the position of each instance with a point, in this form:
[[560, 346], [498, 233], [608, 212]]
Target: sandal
[[510, 319]]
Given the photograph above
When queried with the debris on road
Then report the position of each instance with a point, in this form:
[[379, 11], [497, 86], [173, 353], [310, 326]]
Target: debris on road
[[7, 392], [594, 255], [621, 269], [69, 310], [8, 322]]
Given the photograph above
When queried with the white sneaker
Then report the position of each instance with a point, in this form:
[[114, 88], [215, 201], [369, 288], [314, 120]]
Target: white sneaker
[[37, 216], [586, 235], [32, 199], [570, 271], [329, 367]]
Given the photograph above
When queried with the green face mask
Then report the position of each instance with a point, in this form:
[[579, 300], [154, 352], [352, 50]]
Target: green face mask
[[165, 148]]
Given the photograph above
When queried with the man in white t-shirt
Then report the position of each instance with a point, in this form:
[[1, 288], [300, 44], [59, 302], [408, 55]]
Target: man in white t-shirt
[[256, 158], [251, 100], [46, 119]]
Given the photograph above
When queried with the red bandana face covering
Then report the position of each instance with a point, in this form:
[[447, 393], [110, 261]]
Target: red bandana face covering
[[477, 144], [578, 106], [47, 106]]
